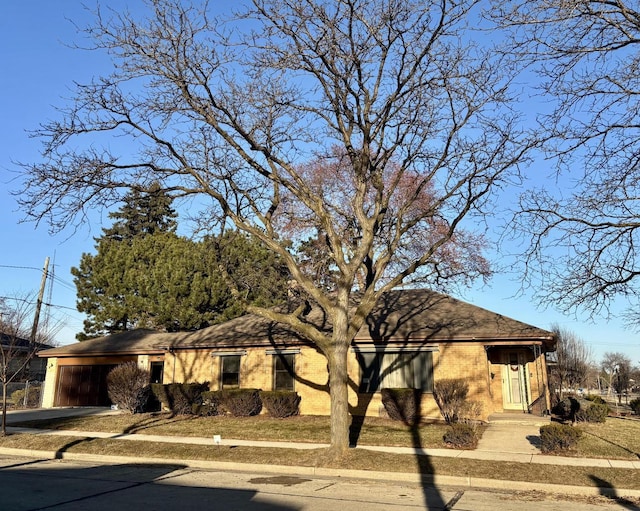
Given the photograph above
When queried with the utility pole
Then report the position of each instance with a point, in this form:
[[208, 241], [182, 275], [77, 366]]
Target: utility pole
[[36, 320], [36, 317]]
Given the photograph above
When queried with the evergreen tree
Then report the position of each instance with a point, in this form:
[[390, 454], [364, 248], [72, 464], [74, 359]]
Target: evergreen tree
[[144, 275], [142, 213]]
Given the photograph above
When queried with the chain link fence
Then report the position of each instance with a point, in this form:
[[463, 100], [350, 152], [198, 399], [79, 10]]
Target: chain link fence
[[25, 394]]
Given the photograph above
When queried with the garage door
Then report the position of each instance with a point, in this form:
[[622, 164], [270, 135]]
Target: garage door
[[83, 385]]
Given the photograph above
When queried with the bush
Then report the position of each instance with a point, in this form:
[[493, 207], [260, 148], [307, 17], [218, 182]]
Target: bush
[[402, 404], [461, 436], [33, 400], [595, 412], [128, 387], [567, 408], [210, 405], [635, 405], [281, 403], [595, 399], [179, 398], [241, 402], [450, 395], [558, 437]]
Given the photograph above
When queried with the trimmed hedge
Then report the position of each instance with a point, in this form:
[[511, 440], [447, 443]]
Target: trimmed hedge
[[595, 412], [236, 402], [558, 437], [583, 410], [179, 398], [402, 404], [281, 403]]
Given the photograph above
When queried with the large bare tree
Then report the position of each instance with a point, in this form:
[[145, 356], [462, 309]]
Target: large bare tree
[[585, 227], [378, 127]]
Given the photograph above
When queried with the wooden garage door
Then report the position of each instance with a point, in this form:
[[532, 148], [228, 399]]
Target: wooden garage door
[[83, 385]]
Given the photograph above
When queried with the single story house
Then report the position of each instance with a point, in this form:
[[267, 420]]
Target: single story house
[[412, 338]]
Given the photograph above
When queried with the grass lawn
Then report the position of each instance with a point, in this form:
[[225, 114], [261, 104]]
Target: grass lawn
[[616, 438], [311, 429]]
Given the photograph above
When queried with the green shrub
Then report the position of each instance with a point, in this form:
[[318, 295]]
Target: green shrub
[[179, 398], [567, 408], [594, 398], [635, 405], [558, 437], [450, 396], [33, 400], [128, 387], [281, 403], [402, 404], [461, 436], [595, 412], [241, 402]]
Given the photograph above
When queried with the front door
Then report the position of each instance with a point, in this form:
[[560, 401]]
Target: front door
[[515, 384]]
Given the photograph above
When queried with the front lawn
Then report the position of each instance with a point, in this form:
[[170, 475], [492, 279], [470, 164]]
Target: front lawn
[[312, 429]]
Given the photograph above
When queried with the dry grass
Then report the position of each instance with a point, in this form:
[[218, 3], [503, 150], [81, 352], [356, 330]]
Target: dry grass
[[356, 459], [616, 438], [311, 429]]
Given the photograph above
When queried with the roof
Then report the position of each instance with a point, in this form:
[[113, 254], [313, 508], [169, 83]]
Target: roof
[[8, 341], [400, 317]]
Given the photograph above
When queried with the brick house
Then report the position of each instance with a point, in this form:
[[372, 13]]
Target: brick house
[[411, 339]]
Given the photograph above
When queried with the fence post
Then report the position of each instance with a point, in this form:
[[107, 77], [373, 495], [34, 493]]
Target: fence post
[[26, 394]]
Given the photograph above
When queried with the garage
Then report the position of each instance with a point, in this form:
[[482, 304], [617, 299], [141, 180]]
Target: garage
[[83, 385]]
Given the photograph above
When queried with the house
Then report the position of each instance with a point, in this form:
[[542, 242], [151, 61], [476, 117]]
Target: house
[[15, 352], [412, 338]]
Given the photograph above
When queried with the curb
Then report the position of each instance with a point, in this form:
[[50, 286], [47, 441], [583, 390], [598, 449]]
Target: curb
[[427, 479]]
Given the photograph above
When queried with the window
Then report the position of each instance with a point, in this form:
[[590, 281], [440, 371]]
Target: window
[[283, 371], [157, 370], [381, 370], [230, 371]]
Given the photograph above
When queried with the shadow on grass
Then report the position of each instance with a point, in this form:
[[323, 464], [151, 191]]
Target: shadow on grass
[[432, 497], [615, 444], [609, 491]]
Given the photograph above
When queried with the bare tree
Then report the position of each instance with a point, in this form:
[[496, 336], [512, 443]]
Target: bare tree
[[584, 237], [571, 362], [617, 369], [16, 350], [408, 109]]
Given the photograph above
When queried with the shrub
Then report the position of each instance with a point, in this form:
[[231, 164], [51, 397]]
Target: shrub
[[635, 405], [558, 437], [179, 398], [450, 395], [128, 387], [567, 408], [210, 405], [402, 404], [461, 436], [33, 400], [595, 412], [281, 403], [595, 399], [241, 402]]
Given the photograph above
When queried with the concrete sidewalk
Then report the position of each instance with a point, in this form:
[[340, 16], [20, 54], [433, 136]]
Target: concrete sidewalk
[[508, 437]]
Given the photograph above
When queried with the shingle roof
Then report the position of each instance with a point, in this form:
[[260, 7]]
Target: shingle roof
[[402, 316]]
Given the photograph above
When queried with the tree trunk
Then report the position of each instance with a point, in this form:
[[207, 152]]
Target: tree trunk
[[338, 389], [4, 409]]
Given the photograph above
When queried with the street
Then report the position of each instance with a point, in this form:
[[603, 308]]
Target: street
[[29, 484]]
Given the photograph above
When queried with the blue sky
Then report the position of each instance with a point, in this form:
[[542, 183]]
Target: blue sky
[[38, 71]]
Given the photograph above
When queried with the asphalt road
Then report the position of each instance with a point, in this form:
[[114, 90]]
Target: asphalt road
[[29, 485]]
